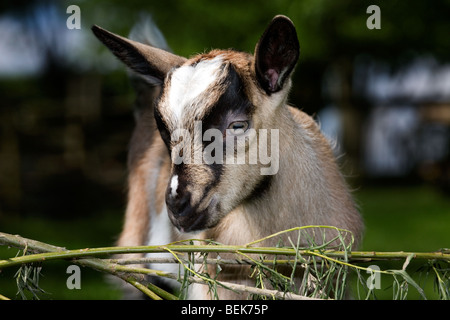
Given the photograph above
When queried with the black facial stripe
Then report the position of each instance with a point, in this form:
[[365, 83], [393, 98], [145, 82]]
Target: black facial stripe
[[182, 171], [232, 103], [162, 127], [260, 189], [217, 170]]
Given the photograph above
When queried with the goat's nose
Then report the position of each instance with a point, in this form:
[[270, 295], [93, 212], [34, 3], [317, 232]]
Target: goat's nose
[[179, 204]]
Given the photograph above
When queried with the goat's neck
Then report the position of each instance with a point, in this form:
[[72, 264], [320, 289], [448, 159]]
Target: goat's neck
[[297, 192]]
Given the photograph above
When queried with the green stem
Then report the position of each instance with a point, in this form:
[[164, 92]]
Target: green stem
[[62, 253], [136, 276]]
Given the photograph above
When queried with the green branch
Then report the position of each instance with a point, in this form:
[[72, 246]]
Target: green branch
[[128, 274], [53, 253], [312, 259]]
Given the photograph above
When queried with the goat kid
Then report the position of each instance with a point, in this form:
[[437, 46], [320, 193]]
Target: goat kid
[[237, 95]]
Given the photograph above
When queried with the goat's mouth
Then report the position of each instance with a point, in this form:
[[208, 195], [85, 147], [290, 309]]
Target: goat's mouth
[[193, 223], [195, 220]]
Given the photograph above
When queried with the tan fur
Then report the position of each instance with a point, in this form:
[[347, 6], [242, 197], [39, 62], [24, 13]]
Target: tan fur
[[308, 188], [321, 197]]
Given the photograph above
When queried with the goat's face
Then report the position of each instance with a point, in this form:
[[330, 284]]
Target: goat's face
[[215, 114], [204, 111]]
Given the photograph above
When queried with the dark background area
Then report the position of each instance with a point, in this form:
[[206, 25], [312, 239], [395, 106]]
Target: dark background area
[[66, 110]]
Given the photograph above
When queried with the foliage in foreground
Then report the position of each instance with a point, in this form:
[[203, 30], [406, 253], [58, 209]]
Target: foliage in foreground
[[326, 267]]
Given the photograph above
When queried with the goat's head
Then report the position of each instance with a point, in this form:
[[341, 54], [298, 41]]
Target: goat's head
[[211, 106]]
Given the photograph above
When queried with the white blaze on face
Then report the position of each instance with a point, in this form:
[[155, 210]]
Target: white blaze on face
[[174, 185], [189, 82]]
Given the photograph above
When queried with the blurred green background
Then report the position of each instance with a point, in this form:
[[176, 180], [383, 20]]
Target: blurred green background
[[382, 95]]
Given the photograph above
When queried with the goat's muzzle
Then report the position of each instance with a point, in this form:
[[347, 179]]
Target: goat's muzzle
[[187, 217]]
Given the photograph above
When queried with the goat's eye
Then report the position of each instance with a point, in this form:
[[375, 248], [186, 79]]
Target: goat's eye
[[238, 127]]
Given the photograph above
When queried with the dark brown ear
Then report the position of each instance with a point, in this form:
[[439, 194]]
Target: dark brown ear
[[276, 54], [148, 61]]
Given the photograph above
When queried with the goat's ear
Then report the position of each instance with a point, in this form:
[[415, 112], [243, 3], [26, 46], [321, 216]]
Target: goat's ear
[[276, 54], [150, 62]]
